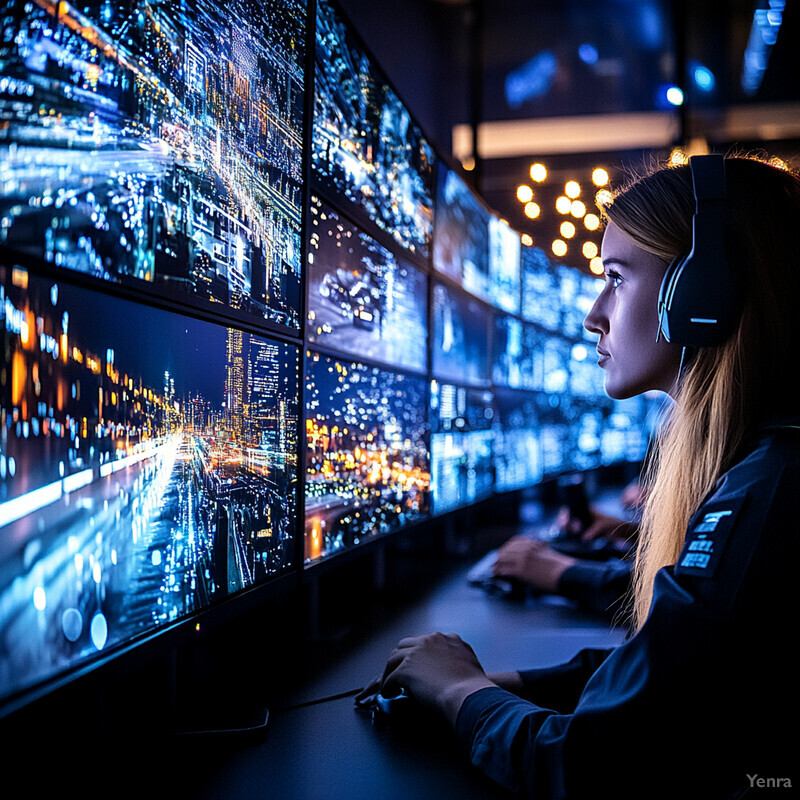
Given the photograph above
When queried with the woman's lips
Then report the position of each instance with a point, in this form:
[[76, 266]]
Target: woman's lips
[[602, 356]]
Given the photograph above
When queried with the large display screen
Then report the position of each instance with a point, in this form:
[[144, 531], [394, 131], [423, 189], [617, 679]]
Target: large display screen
[[158, 144], [504, 266], [514, 352], [460, 348], [541, 292], [367, 466], [556, 296], [362, 299], [461, 243], [366, 146], [148, 467], [462, 467], [517, 448]]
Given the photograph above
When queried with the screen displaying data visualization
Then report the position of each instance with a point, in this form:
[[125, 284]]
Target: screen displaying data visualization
[[366, 146], [516, 442], [460, 336], [362, 298], [159, 145], [367, 464], [462, 467], [461, 245], [148, 467]]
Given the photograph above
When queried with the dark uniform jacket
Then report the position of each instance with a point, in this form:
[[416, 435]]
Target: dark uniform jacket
[[700, 702]]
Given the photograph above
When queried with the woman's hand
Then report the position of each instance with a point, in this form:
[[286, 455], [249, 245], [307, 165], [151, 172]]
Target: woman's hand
[[531, 561], [438, 670]]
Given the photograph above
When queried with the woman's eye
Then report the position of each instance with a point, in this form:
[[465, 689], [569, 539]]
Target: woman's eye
[[614, 278]]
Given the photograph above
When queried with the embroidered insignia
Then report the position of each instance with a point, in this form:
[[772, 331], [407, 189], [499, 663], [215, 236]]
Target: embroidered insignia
[[707, 537]]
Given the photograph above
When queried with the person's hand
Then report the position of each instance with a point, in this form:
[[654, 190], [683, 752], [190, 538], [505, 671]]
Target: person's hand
[[602, 526], [438, 670], [531, 561]]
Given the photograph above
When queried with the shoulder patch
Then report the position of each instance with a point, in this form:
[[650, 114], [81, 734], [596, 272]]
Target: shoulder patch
[[707, 537]]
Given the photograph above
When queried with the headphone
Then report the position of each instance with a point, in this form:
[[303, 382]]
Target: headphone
[[697, 303]]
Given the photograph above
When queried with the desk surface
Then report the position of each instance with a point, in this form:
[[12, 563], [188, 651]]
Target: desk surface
[[329, 750]]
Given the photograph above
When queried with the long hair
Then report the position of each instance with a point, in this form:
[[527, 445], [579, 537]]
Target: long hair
[[727, 390]]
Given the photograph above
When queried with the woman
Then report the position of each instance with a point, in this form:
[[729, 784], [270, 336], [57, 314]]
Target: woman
[[694, 703]]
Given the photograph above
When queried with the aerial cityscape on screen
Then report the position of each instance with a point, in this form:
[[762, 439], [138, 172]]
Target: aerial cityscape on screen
[[362, 299], [367, 469], [366, 146], [461, 233], [460, 336], [158, 143], [148, 468]]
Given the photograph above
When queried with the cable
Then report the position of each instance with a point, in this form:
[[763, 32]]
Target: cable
[[318, 701]]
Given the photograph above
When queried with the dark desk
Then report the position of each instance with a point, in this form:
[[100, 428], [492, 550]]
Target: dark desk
[[328, 750]]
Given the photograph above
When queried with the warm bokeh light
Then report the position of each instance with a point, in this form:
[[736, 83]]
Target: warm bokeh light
[[538, 172], [572, 189], [559, 247], [468, 163], [532, 210], [603, 197], [567, 230], [677, 157], [596, 265], [600, 176], [577, 208], [524, 193], [589, 250], [591, 222], [526, 239], [775, 161], [563, 205]]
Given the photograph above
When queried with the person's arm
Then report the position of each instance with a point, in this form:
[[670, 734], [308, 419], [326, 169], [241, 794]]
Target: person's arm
[[558, 686], [598, 586], [697, 696]]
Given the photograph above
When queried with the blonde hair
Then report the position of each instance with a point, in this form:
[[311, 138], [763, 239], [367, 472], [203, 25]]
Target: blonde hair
[[729, 389]]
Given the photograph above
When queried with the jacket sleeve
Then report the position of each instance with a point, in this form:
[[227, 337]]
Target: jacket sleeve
[[560, 686], [698, 694], [599, 586]]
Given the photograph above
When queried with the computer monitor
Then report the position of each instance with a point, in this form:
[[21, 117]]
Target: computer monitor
[[517, 442], [514, 351], [504, 266], [462, 467], [363, 299], [367, 465], [159, 147], [148, 473], [461, 243], [460, 336], [366, 147], [540, 289]]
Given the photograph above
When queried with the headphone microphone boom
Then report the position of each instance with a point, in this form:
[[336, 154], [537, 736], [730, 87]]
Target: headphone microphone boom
[[697, 304]]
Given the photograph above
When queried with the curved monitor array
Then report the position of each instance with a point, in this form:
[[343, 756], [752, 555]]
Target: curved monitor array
[[239, 340]]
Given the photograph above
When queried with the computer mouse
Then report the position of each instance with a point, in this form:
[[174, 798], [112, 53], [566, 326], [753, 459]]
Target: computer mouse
[[393, 706]]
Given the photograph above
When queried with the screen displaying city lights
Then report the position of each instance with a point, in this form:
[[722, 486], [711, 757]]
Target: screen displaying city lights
[[516, 446], [541, 291], [514, 347], [504, 266], [460, 336], [366, 147], [148, 467], [367, 466], [461, 234], [159, 145], [462, 467], [362, 299]]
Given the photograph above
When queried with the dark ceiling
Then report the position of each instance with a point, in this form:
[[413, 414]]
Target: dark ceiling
[[484, 64]]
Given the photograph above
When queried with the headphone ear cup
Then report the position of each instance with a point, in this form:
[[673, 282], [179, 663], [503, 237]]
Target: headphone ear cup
[[667, 293]]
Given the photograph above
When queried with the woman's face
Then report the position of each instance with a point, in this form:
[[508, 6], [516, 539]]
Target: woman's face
[[625, 316]]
